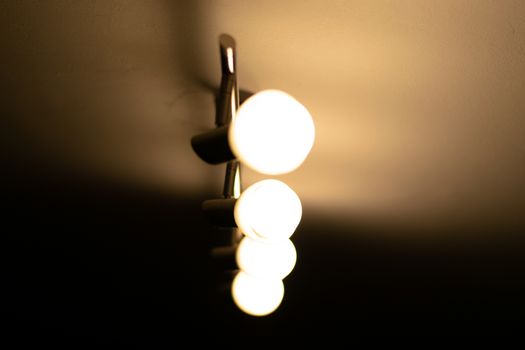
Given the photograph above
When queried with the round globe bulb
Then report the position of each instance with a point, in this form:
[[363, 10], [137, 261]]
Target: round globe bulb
[[268, 210], [266, 260], [272, 133], [257, 297]]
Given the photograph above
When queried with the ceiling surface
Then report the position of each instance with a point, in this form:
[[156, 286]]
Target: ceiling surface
[[414, 193]]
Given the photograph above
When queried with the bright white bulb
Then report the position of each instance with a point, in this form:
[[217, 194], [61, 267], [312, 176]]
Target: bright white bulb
[[272, 133], [268, 210], [266, 260], [257, 297]]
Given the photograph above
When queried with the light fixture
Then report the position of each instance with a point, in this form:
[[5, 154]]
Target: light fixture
[[272, 133], [255, 296], [267, 210], [266, 260]]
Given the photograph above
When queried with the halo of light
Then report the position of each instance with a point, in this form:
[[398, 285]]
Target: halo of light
[[266, 260], [272, 133], [257, 297], [268, 209]]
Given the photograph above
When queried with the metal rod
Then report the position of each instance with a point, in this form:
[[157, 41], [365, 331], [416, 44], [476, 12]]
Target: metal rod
[[227, 106], [228, 80], [232, 180]]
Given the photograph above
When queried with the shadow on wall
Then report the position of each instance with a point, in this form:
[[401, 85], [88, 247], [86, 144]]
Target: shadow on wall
[[91, 93], [103, 260], [105, 88], [108, 262]]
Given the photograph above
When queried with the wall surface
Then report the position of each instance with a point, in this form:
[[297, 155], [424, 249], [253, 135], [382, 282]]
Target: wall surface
[[414, 193]]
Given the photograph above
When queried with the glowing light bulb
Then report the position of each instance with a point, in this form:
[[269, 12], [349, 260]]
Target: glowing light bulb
[[268, 209], [266, 260], [272, 133], [257, 297]]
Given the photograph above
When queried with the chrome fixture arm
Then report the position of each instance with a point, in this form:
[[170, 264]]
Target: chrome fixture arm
[[227, 105]]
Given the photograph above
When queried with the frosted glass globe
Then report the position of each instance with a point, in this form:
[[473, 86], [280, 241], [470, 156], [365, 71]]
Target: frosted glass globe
[[272, 133], [266, 260], [257, 297], [268, 210]]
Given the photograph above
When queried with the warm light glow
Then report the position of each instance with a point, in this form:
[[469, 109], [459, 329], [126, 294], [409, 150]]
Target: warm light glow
[[257, 297], [266, 260], [272, 133], [268, 210]]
